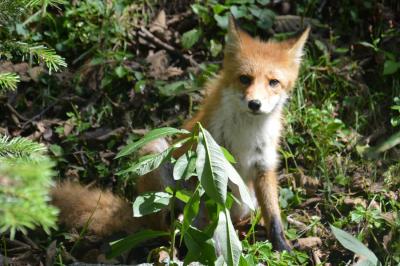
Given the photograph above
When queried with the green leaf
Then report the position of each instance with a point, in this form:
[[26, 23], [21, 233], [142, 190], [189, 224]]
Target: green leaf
[[353, 244], [215, 48], [190, 38], [392, 141], [122, 245], [148, 163], [174, 88], [218, 8], [152, 135], [265, 17], [227, 240], [238, 11], [202, 12], [200, 247], [120, 71], [263, 2], [181, 194], [222, 21], [239, 185], [150, 202], [247, 260], [190, 212], [185, 166], [390, 67], [210, 166], [228, 155], [285, 195], [369, 45]]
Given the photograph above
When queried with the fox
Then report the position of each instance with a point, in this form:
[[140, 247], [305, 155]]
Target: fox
[[243, 111]]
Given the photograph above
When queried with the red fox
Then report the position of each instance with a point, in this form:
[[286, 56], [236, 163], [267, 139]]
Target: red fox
[[243, 112]]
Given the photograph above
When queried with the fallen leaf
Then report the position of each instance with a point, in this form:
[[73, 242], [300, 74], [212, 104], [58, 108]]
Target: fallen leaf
[[307, 243], [355, 201]]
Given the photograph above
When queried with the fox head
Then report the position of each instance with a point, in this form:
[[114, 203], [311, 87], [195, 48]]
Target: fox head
[[261, 74]]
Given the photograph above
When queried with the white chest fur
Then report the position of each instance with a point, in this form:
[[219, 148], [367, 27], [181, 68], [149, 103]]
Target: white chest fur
[[252, 139]]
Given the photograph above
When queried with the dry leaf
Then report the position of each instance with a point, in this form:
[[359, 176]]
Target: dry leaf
[[307, 243]]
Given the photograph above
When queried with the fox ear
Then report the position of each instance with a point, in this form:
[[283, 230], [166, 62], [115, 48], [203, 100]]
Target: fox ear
[[296, 45], [235, 36]]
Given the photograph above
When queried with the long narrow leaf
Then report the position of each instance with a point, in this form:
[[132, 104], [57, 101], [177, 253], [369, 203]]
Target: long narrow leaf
[[353, 244], [190, 212], [152, 135], [239, 185], [148, 163], [227, 240], [210, 166], [132, 241]]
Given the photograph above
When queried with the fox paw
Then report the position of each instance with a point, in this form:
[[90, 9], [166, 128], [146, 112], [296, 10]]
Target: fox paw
[[277, 236]]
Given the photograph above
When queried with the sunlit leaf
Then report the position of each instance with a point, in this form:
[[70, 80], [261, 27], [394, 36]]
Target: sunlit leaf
[[185, 166], [190, 38], [152, 135], [148, 163], [150, 202], [210, 166]]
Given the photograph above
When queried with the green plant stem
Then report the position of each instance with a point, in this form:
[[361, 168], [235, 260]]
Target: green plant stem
[[4, 249], [173, 226]]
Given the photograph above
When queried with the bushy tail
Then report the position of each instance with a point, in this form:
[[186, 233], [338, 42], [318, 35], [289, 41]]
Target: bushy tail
[[104, 213], [101, 212]]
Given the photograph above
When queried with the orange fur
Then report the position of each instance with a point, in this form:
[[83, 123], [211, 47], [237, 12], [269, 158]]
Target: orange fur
[[102, 211], [262, 62], [105, 213], [254, 142]]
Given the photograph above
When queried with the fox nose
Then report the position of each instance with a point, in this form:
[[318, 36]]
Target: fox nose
[[254, 105]]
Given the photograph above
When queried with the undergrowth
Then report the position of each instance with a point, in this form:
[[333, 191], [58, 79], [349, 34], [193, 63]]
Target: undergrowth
[[339, 155]]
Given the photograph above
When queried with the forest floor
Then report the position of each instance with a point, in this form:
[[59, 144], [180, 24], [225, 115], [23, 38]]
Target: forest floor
[[133, 67]]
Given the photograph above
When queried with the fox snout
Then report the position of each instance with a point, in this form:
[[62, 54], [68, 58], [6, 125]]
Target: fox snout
[[254, 105]]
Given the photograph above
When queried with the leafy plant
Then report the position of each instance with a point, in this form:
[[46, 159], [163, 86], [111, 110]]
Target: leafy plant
[[262, 253], [213, 170]]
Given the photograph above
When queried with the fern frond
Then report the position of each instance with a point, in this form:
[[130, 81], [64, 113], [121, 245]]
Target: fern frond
[[20, 147], [8, 81]]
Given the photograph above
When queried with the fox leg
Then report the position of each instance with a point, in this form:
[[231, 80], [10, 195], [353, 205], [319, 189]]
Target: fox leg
[[266, 188]]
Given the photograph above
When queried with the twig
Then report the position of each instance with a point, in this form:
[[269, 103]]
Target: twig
[[316, 256], [178, 18], [298, 224], [15, 112], [144, 33], [39, 115]]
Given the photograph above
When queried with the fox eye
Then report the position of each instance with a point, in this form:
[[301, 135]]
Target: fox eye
[[273, 82], [245, 79]]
